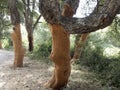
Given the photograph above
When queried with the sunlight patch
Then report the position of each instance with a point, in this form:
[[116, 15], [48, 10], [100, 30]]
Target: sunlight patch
[[2, 84], [111, 52], [2, 74], [51, 69]]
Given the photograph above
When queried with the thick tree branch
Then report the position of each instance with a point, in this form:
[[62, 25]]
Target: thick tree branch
[[100, 20], [118, 12], [73, 4], [50, 10], [103, 18]]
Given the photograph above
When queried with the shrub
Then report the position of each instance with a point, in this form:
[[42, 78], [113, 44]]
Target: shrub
[[106, 69], [41, 51]]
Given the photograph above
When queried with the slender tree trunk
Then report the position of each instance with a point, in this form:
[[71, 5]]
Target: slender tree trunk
[[0, 45], [81, 39], [18, 49], [29, 21], [30, 40], [60, 54]]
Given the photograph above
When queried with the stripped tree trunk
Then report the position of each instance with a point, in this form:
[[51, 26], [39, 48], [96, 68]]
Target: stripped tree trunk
[[60, 54], [80, 42], [16, 35], [18, 49], [0, 44]]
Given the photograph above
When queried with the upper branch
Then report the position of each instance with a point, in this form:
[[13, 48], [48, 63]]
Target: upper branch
[[73, 4], [95, 21], [50, 10], [103, 18], [15, 16]]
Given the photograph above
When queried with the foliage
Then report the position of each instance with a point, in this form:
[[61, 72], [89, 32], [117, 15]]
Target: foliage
[[42, 51], [106, 68], [4, 31], [114, 32], [4, 25], [43, 42]]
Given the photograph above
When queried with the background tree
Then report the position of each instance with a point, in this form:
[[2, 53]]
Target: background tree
[[83, 37], [79, 44], [4, 22], [30, 23], [16, 35]]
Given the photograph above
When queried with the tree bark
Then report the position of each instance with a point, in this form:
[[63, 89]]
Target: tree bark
[[16, 35], [29, 23], [80, 42], [0, 45], [18, 49], [30, 40], [60, 54], [28, 14], [95, 21]]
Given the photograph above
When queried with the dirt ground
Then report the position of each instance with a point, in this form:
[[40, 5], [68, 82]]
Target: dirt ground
[[34, 74]]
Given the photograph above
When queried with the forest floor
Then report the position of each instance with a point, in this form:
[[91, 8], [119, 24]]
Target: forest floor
[[34, 74]]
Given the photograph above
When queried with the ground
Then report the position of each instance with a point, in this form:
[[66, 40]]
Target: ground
[[34, 74]]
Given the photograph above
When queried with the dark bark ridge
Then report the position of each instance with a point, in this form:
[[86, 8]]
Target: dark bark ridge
[[103, 18], [50, 10], [73, 4], [15, 16]]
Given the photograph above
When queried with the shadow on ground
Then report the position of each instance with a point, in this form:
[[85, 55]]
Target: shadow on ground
[[34, 74]]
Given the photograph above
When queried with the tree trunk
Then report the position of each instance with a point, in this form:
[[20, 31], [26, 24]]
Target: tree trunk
[[60, 54], [29, 22], [0, 45], [30, 41], [18, 49], [81, 39], [16, 35]]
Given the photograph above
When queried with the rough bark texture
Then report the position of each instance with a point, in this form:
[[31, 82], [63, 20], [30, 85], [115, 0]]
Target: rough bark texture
[[16, 35], [60, 54], [53, 8], [18, 49], [95, 21], [81, 40], [14, 14]]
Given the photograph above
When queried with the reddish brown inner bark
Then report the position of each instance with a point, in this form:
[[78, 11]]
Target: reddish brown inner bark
[[0, 44], [18, 49], [60, 54]]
